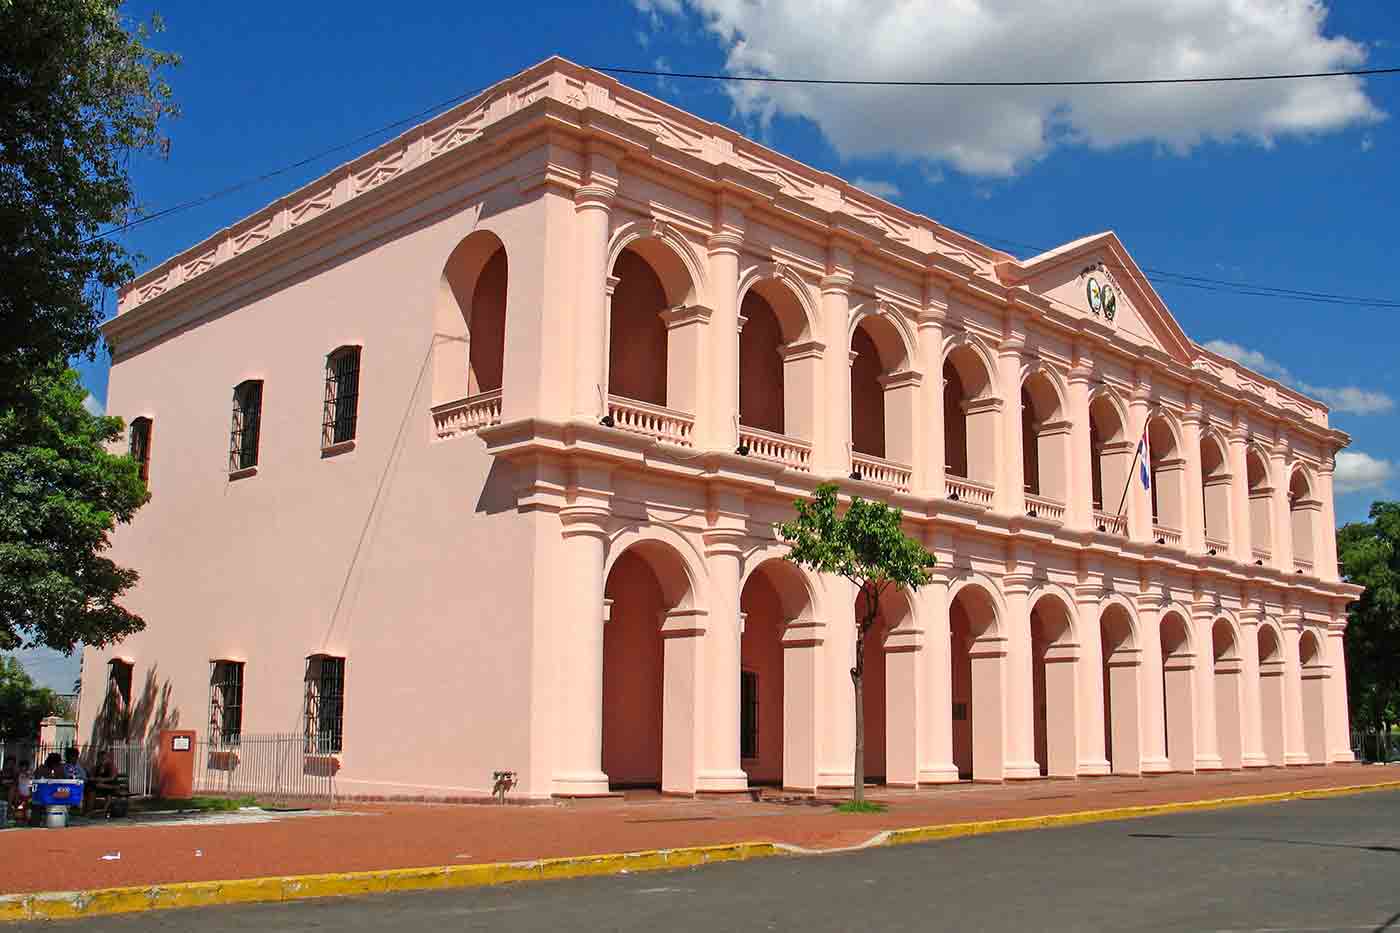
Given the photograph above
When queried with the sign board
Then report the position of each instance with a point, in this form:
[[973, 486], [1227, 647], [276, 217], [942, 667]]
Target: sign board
[[179, 743]]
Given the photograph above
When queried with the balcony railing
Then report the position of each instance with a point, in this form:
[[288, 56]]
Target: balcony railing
[[1220, 546], [962, 489], [882, 472], [1261, 554], [1113, 524], [467, 414], [777, 448], [1165, 534], [1048, 509], [1303, 566], [648, 420]]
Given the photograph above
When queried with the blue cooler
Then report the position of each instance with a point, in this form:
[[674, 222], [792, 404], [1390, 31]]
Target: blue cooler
[[53, 792]]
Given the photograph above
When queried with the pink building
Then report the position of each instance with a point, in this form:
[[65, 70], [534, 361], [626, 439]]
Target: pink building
[[518, 397]]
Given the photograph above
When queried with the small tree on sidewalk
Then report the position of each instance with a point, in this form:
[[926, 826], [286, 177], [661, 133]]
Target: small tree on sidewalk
[[867, 546]]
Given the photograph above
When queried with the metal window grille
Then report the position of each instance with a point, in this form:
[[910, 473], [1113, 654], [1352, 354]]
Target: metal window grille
[[342, 399], [247, 418], [960, 712], [140, 448], [748, 718], [119, 674], [325, 704], [225, 702]]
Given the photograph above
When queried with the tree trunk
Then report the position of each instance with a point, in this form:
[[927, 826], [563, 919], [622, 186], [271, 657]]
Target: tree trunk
[[858, 680]]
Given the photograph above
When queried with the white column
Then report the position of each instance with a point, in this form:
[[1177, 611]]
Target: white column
[[720, 768], [1139, 507], [1282, 523], [1338, 720], [1079, 507], [833, 456], [1295, 750], [1241, 537], [931, 479], [1011, 483], [593, 204], [1152, 727], [1325, 537], [719, 389], [837, 738], [936, 717], [1252, 731], [1193, 509], [1019, 714], [1207, 738], [1092, 756]]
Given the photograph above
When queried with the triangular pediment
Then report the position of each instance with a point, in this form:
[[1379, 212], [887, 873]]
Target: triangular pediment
[[1096, 278]]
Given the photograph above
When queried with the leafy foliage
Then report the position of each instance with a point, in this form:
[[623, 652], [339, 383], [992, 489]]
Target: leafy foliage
[[1369, 553], [866, 545], [22, 703], [79, 95], [61, 494]]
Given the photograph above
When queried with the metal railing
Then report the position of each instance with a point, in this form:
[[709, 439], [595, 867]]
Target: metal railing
[[468, 414], [962, 489], [133, 759], [1374, 746], [1047, 509], [672, 427], [882, 472], [776, 448], [276, 769]]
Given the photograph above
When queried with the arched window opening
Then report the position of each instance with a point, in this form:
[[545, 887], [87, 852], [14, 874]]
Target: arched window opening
[[140, 447], [1228, 694], [1215, 495], [1121, 661], [1044, 444], [1314, 674], [637, 344], [1178, 687], [1304, 514], [976, 686], [1261, 502], [1271, 691], [1110, 460], [1054, 657], [1168, 472], [761, 388], [883, 392], [867, 396], [469, 335], [970, 414]]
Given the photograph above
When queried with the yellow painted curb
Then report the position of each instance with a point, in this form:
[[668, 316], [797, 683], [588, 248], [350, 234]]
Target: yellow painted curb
[[65, 905]]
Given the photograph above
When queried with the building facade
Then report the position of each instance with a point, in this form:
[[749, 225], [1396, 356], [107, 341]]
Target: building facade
[[518, 397]]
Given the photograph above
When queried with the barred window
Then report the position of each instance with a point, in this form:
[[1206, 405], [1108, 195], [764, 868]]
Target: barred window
[[325, 704], [748, 715], [140, 448], [342, 396], [119, 678], [225, 701], [247, 418]]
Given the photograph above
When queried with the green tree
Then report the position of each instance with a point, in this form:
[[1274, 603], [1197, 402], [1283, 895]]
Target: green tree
[[61, 494], [866, 545], [22, 704], [80, 94], [1369, 554]]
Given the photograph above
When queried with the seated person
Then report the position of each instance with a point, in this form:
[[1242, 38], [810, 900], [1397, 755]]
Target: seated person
[[52, 768], [72, 768], [106, 772], [21, 791]]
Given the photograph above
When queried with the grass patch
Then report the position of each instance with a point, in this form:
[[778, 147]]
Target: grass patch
[[861, 806], [199, 804]]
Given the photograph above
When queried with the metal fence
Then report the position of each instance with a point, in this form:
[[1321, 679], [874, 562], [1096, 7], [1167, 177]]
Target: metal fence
[[135, 760], [276, 769], [1375, 746]]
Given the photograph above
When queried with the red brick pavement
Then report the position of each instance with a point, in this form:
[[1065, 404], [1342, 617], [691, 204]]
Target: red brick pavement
[[379, 836]]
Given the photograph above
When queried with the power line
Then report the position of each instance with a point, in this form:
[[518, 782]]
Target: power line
[[1094, 82]]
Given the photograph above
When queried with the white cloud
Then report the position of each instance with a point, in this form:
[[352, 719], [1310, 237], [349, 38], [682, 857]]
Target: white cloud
[[999, 131], [1357, 471], [94, 406], [1351, 400], [881, 189]]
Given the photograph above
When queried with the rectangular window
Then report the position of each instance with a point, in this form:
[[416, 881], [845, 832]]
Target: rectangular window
[[225, 701], [748, 716], [959, 712], [325, 704], [342, 396], [140, 449], [247, 418], [119, 679]]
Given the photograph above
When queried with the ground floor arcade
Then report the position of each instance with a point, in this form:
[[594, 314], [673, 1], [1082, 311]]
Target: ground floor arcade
[[717, 666]]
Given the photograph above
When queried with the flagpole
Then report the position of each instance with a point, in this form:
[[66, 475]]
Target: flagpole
[[1137, 452]]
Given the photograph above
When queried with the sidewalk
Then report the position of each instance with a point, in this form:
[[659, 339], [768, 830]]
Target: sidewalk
[[383, 836]]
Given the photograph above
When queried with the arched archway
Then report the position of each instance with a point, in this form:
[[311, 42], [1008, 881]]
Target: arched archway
[[1178, 690], [1271, 694], [894, 614], [1261, 506], [1228, 694], [882, 392], [1168, 476], [776, 365], [978, 652], [1314, 682], [1054, 662], [646, 734], [1045, 436], [970, 414], [1304, 514], [469, 323], [1122, 660], [776, 711], [1110, 458], [1215, 494], [637, 338]]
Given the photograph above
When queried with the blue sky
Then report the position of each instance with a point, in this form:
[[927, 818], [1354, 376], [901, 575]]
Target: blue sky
[[1281, 184]]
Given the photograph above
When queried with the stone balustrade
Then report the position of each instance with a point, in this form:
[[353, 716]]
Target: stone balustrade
[[882, 472], [467, 414], [777, 448], [962, 489], [648, 420], [1048, 509]]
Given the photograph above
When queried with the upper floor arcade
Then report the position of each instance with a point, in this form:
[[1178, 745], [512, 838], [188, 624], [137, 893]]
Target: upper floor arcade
[[664, 290]]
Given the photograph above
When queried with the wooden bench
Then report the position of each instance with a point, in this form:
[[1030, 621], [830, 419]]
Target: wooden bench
[[115, 791]]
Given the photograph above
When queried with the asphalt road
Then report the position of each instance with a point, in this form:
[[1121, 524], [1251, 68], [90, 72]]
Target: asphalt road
[[1284, 868]]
